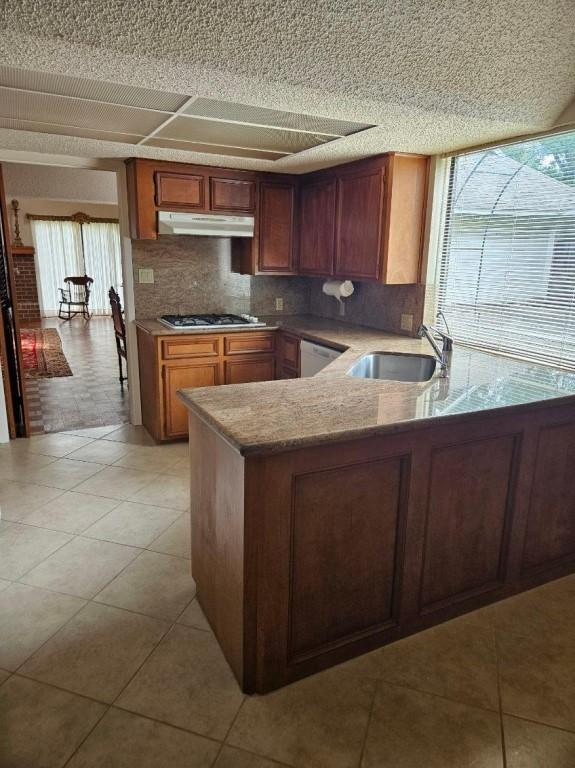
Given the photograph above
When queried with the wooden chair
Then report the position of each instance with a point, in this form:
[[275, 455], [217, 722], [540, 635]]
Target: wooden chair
[[119, 330], [75, 297]]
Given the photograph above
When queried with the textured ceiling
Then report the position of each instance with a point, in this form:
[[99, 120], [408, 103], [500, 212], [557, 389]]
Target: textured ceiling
[[434, 76]]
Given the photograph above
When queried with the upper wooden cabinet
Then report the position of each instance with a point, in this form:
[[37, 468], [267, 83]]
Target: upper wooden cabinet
[[276, 227], [232, 195], [317, 228], [180, 190]]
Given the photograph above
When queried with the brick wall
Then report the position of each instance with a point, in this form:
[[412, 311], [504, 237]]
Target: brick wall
[[26, 288]]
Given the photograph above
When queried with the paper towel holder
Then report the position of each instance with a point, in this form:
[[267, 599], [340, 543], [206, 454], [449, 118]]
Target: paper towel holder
[[339, 289]]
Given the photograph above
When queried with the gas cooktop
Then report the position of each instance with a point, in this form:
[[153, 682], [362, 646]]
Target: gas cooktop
[[209, 321]]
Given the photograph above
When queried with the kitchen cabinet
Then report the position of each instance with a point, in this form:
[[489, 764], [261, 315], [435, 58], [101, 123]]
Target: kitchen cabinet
[[317, 228], [172, 361], [288, 363], [276, 227], [232, 195], [180, 190]]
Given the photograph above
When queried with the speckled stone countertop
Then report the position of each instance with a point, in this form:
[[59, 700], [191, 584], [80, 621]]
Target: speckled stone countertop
[[155, 328], [273, 416]]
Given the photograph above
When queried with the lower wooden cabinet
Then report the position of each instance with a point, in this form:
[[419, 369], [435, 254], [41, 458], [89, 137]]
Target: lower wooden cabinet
[[288, 366], [184, 361]]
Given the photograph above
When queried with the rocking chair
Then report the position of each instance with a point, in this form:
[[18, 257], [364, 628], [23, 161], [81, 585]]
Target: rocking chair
[[119, 330], [75, 297]]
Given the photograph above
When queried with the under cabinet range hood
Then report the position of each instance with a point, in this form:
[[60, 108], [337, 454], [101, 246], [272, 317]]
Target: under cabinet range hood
[[204, 224]]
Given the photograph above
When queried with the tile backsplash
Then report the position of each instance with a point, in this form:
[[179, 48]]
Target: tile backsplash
[[194, 274]]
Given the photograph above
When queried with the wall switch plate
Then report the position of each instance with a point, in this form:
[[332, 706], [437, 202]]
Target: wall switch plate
[[407, 322], [146, 275], [279, 304]]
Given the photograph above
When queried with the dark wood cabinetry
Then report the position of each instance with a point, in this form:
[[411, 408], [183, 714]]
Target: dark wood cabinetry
[[288, 360], [276, 228], [232, 195], [180, 190], [317, 228]]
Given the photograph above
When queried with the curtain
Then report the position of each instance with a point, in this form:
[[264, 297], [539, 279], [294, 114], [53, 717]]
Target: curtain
[[58, 247], [59, 254], [103, 263]]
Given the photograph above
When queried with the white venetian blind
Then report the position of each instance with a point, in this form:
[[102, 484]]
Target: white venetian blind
[[507, 270]]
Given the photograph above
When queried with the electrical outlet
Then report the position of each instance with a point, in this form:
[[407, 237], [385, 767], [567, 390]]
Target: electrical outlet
[[407, 322], [146, 275], [279, 304]]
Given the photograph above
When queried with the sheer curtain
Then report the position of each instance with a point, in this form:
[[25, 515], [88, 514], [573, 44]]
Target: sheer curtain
[[58, 247], [59, 254], [103, 263]]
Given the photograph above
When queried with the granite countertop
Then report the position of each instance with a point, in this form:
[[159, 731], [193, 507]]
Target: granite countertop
[[155, 328], [273, 416]]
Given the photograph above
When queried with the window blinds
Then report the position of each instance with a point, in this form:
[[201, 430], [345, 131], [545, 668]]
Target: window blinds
[[507, 264]]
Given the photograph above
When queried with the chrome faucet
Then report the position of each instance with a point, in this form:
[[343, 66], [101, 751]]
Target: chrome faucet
[[442, 354]]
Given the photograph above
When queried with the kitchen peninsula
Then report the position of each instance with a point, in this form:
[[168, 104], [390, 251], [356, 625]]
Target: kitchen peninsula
[[334, 514]]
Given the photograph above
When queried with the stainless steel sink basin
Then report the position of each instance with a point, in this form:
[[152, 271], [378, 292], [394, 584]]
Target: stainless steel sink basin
[[394, 367]]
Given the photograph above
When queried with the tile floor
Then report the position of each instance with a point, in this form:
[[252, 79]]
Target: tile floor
[[93, 395], [107, 660]]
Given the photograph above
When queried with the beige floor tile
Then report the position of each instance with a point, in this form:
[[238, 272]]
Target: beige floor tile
[[97, 652], [457, 660], [83, 567], [65, 473], [193, 616], [176, 540], [186, 682], [165, 491], [93, 432], [116, 483], [154, 584], [409, 729], [128, 433], [320, 721], [180, 468], [530, 745], [42, 726], [124, 740], [71, 512], [537, 679], [29, 617], [157, 458], [15, 465], [4, 583], [230, 757], [56, 444], [4, 675], [23, 546], [101, 451], [19, 499], [132, 523]]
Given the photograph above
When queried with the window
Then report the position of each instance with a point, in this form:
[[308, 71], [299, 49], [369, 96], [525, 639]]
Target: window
[[506, 277]]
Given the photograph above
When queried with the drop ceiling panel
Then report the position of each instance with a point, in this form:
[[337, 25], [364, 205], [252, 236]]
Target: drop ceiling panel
[[114, 93], [66, 130], [239, 135], [245, 113], [213, 149], [80, 113]]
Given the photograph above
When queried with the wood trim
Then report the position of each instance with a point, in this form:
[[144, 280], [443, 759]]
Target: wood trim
[[79, 218]]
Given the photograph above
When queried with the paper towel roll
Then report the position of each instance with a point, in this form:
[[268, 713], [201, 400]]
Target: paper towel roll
[[339, 289]]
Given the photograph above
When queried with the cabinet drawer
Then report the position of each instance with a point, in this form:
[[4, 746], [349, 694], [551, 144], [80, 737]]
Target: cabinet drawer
[[181, 190], [290, 352], [246, 343], [242, 370], [232, 195], [191, 346]]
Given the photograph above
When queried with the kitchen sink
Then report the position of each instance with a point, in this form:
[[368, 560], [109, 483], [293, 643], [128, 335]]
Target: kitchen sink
[[394, 367]]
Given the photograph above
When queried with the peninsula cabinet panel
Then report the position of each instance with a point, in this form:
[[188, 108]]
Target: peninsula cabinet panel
[[242, 370], [184, 375], [276, 228], [180, 190], [232, 195], [359, 225], [317, 228], [344, 534], [550, 531]]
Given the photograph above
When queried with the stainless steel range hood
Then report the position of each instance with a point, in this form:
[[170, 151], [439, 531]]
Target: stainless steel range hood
[[204, 224]]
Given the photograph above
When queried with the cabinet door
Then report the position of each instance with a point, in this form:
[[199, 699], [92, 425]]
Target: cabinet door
[[184, 376], [232, 195], [277, 213], [359, 224], [180, 190], [289, 351], [241, 371], [317, 228]]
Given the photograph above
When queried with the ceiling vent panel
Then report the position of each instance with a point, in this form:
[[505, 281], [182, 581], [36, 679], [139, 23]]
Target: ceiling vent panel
[[94, 90], [240, 135], [214, 149], [244, 113], [78, 113], [66, 130]]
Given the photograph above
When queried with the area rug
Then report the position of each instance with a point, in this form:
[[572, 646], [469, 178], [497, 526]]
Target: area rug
[[43, 355]]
